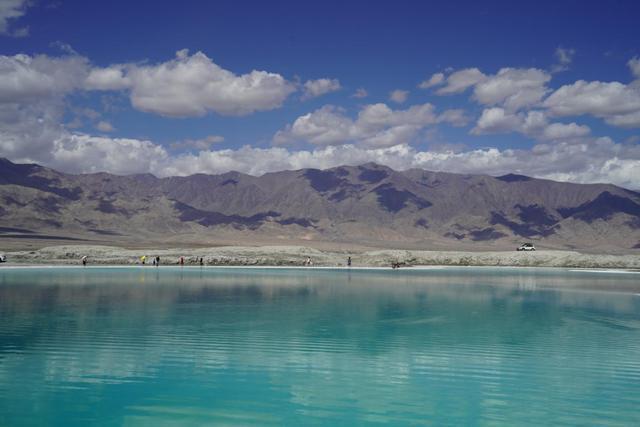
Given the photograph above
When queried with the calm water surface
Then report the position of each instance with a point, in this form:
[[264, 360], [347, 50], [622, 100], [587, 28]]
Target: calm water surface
[[193, 346]]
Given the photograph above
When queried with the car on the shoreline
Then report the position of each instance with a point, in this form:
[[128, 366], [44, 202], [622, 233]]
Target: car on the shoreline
[[3, 258], [526, 247]]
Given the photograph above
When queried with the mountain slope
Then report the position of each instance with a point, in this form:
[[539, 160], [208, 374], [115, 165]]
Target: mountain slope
[[368, 204]]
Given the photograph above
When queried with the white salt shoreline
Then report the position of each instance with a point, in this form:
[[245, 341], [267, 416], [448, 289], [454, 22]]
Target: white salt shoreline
[[295, 256]]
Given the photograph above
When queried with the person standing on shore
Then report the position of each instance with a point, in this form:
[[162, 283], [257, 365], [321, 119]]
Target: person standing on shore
[[349, 262], [181, 261], [84, 260], [157, 261]]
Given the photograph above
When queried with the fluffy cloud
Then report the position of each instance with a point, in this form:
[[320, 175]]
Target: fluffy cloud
[[188, 85], [631, 120], [110, 78], [194, 85], [461, 80], [86, 153], [377, 125], [533, 124], [399, 96], [379, 115], [27, 130], [434, 80], [564, 131], [618, 104], [25, 78], [33, 91], [104, 126], [33, 133], [512, 88], [496, 120], [564, 57], [455, 117], [599, 160], [315, 88], [198, 144], [325, 126], [360, 93], [9, 11], [590, 160], [634, 66]]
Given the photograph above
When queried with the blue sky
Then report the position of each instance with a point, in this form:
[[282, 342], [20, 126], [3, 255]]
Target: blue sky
[[549, 89]]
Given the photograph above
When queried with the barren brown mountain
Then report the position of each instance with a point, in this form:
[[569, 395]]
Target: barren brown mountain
[[367, 205]]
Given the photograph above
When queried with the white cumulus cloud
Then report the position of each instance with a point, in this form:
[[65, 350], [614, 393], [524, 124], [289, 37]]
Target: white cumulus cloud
[[198, 144], [11, 10], [461, 80], [533, 124], [186, 86], [435, 80], [360, 93], [86, 153], [377, 125], [509, 88], [618, 104], [105, 126], [25, 78], [192, 85], [455, 117], [634, 66], [319, 87], [599, 160], [34, 102], [399, 96], [588, 160], [109, 78], [497, 120], [513, 88], [564, 57], [564, 131]]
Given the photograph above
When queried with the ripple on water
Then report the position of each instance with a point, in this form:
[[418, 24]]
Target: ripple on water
[[318, 347]]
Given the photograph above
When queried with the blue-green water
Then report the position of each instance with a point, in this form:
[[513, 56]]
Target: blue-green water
[[192, 346]]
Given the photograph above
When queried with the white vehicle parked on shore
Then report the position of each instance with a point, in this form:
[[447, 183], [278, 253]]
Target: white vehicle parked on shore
[[3, 258], [526, 247]]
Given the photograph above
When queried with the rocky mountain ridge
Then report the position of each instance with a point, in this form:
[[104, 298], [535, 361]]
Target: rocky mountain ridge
[[369, 205]]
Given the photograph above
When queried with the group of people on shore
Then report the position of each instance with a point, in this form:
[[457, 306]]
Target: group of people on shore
[[143, 260], [156, 260], [308, 262]]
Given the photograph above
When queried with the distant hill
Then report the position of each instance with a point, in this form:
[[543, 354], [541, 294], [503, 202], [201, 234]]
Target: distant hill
[[369, 205]]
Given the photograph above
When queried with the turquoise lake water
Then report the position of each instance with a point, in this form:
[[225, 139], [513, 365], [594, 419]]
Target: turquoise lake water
[[212, 346]]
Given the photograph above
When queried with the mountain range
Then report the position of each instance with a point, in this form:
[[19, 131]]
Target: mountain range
[[368, 205]]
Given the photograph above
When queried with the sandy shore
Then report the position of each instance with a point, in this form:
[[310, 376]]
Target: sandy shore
[[296, 256]]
